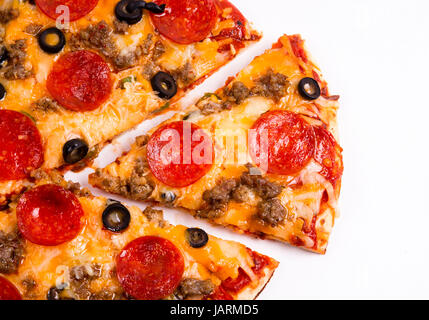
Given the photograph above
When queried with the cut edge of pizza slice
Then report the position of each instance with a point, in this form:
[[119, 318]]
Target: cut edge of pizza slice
[[128, 73], [83, 247], [289, 191]]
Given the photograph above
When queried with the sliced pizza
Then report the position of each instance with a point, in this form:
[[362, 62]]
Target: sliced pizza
[[260, 155], [86, 70], [59, 242]]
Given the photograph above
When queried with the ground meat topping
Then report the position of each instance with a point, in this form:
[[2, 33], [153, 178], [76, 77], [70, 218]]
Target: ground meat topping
[[15, 69], [7, 15], [99, 37], [237, 93], [192, 287], [241, 190], [11, 252], [85, 272], [271, 212], [80, 286], [158, 50], [126, 59], [147, 44], [96, 37], [80, 280], [271, 85], [264, 188], [150, 69], [2, 34], [33, 29], [221, 193], [217, 199], [130, 58], [184, 75], [29, 284], [108, 294], [17, 72], [154, 215], [120, 27], [242, 193], [137, 187], [44, 106], [209, 105]]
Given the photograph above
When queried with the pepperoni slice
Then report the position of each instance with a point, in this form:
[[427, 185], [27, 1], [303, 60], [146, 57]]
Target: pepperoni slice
[[286, 140], [238, 32], [328, 154], [8, 291], [80, 81], [77, 8], [150, 268], [179, 154], [186, 21], [49, 215], [21, 149]]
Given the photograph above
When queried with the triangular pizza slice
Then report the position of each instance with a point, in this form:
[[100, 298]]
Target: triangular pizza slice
[[58, 242], [260, 155], [86, 70]]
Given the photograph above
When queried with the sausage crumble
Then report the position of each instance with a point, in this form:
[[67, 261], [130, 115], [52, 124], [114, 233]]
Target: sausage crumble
[[154, 215], [137, 187], [271, 85], [189, 288], [270, 209], [271, 212], [11, 252], [7, 15], [15, 69]]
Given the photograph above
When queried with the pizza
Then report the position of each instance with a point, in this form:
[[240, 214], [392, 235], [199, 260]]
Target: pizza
[[83, 247], [259, 155], [84, 71]]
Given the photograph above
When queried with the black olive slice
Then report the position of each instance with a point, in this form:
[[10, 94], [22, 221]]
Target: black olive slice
[[116, 217], [75, 150], [129, 12], [164, 84], [168, 196], [154, 8], [309, 89], [196, 237], [52, 40], [2, 92]]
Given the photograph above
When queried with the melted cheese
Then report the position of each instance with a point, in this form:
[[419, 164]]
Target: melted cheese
[[302, 202]]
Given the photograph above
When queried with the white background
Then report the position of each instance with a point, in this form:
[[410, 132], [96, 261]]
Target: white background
[[375, 55]]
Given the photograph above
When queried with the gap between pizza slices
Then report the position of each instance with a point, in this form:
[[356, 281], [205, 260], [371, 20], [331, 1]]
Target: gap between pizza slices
[[101, 74], [272, 134]]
